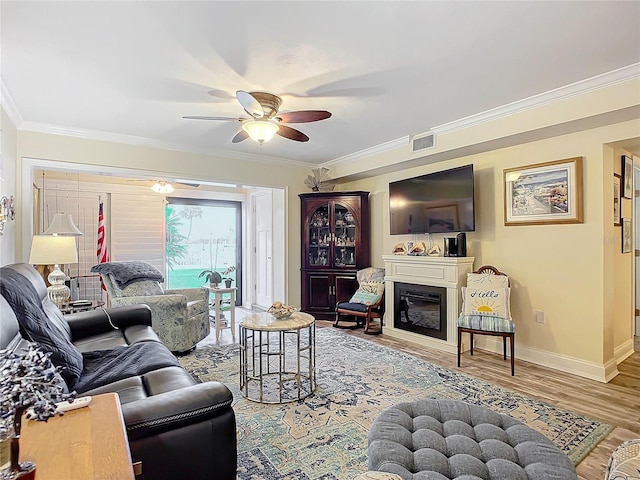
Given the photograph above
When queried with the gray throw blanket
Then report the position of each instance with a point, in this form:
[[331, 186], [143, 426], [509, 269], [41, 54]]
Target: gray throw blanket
[[36, 327], [102, 367], [126, 273]]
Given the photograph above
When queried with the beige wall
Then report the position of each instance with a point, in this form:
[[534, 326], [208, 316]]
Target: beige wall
[[8, 163], [101, 156], [560, 269], [574, 273]]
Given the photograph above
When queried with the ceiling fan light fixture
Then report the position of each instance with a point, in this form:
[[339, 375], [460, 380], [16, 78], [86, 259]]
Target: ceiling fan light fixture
[[260, 130], [162, 187]]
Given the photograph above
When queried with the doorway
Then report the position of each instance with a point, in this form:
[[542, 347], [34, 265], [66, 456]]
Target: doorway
[[636, 217], [269, 259]]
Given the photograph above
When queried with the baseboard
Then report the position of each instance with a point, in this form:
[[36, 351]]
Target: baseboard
[[600, 372], [624, 351]]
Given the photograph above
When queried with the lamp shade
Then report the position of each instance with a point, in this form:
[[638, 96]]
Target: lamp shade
[[260, 130], [53, 249], [62, 224]]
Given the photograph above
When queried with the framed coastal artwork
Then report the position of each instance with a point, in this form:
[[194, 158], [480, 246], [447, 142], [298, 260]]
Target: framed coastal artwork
[[544, 193], [626, 235], [617, 200], [627, 176]]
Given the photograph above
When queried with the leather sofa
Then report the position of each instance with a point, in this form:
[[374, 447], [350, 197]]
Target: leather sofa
[[177, 427]]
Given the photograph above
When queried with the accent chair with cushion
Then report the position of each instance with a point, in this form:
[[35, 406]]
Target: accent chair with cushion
[[180, 317], [366, 305], [486, 309]]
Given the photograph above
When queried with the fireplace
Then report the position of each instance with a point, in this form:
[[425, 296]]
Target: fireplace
[[420, 309], [433, 285]]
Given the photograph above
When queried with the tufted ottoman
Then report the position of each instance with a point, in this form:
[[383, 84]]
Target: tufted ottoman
[[449, 439]]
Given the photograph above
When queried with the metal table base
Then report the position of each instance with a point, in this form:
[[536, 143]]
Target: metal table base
[[277, 358]]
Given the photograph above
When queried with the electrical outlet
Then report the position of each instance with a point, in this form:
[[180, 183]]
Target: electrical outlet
[[540, 316]]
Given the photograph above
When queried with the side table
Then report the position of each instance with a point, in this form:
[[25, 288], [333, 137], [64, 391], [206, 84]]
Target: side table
[[218, 294], [89, 443], [277, 357]]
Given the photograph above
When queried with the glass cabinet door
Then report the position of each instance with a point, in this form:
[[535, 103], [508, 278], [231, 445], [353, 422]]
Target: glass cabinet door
[[320, 236], [344, 237]]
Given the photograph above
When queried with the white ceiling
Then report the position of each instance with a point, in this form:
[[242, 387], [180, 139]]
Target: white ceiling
[[131, 70]]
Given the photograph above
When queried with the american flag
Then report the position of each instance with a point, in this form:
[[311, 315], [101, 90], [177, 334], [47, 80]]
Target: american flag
[[103, 253]]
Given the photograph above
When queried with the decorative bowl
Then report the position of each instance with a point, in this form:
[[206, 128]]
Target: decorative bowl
[[281, 311]]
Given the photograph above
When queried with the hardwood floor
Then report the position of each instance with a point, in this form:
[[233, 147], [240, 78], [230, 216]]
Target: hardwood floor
[[616, 403]]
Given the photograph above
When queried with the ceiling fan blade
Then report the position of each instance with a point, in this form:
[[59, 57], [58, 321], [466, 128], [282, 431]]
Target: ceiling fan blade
[[292, 134], [194, 185], [198, 117], [304, 116], [250, 104], [240, 136]]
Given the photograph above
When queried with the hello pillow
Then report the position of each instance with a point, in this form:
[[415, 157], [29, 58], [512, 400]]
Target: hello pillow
[[490, 303], [369, 293]]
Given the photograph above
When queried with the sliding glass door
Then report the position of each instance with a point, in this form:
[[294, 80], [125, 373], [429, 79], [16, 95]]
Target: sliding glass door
[[203, 235]]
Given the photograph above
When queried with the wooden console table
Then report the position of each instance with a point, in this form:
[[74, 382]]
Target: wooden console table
[[83, 444]]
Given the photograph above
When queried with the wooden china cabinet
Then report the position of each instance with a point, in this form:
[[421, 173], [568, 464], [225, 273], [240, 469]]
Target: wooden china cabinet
[[335, 245]]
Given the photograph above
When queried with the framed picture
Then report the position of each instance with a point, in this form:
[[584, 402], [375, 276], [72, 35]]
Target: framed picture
[[626, 235], [544, 193], [442, 219], [617, 201], [627, 176]]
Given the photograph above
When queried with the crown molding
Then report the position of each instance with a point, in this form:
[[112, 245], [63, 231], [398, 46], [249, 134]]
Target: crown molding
[[152, 143], [6, 100], [368, 152], [604, 80], [598, 82]]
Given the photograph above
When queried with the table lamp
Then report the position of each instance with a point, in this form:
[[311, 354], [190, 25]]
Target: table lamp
[[56, 250]]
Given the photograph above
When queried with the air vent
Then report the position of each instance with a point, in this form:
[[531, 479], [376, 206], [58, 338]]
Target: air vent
[[422, 142]]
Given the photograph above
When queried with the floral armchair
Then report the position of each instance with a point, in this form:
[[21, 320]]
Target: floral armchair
[[367, 303], [180, 317]]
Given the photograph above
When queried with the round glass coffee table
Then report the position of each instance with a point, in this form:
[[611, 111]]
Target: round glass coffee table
[[277, 357]]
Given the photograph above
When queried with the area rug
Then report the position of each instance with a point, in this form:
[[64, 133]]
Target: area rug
[[325, 435]]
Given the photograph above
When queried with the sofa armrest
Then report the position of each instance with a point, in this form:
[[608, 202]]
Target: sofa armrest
[[192, 294], [175, 409], [101, 320]]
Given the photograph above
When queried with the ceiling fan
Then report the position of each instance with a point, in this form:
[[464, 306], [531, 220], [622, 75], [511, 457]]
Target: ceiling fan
[[265, 121]]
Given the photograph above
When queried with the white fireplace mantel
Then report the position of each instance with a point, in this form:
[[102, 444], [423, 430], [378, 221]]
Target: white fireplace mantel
[[446, 272]]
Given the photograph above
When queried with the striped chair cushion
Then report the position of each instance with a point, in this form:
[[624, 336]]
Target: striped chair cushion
[[489, 324]]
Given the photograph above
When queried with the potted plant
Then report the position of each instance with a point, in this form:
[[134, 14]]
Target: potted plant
[[27, 380], [228, 280], [211, 276]]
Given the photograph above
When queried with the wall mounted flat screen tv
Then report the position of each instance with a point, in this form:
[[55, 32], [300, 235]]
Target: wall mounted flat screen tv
[[438, 202]]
